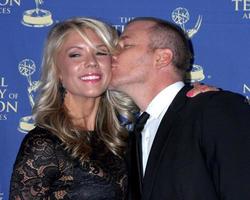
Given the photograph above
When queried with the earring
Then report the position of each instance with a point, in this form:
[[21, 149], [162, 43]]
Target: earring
[[62, 91]]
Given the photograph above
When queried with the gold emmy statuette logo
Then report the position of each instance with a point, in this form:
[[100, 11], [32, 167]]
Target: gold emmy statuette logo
[[181, 16], [37, 17], [26, 68]]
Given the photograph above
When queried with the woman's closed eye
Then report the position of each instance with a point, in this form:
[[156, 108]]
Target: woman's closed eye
[[102, 53]]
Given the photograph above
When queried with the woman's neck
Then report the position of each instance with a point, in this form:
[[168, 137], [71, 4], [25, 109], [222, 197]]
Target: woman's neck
[[83, 111]]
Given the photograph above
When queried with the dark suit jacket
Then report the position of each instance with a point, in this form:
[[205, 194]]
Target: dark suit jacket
[[201, 150]]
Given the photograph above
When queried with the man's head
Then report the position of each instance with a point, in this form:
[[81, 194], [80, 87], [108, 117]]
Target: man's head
[[166, 35], [152, 54]]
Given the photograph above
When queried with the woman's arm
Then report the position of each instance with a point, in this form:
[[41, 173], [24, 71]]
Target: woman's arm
[[35, 169]]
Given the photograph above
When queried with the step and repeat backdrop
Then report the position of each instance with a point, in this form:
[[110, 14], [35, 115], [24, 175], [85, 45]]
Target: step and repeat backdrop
[[220, 32]]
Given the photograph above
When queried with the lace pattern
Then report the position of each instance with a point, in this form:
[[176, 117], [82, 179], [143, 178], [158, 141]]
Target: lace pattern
[[44, 170]]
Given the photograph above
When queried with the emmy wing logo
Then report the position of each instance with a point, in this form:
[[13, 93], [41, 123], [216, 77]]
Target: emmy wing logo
[[181, 16], [26, 68], [37, 17]]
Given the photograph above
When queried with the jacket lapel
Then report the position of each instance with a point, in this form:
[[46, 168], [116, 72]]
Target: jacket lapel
[[161, 141], [135, 185]]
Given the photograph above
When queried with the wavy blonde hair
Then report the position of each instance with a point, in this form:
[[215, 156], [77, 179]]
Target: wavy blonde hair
[[49, 111]]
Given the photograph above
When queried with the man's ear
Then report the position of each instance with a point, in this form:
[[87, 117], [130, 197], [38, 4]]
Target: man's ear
[[163, 57]]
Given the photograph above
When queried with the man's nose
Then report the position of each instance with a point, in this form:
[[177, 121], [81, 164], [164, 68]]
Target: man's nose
[[117, 51], [114, 56]]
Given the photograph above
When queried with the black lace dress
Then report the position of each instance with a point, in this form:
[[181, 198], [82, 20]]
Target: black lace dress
[[44, 170]]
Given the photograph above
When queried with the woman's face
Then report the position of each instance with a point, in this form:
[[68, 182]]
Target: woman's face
[[84, 71]]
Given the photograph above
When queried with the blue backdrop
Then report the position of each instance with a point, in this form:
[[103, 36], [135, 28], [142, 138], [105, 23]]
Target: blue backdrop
[[220, 32]]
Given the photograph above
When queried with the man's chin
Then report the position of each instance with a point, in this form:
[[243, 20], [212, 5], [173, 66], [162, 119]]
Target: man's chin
[[111, 87], [114, 87]]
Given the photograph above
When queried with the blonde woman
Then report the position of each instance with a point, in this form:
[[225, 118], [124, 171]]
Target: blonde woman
[[76, 150]]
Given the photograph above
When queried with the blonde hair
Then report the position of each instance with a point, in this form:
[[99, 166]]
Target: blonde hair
[[49, 111]]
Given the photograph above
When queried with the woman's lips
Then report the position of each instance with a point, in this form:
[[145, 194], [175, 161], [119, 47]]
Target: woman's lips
[[91, 77]]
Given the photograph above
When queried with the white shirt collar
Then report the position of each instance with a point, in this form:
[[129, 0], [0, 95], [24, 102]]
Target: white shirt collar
[[162, 100]]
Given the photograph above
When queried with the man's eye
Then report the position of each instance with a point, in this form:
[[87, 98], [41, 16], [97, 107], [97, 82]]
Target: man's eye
[[126, 46], [118, 47]]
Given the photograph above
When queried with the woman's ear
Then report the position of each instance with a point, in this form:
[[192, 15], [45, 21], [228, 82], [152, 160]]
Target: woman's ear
[[163, 57], [58, 72]]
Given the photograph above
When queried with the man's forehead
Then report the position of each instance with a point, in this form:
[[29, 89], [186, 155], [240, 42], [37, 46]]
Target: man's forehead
[[142, 25], [125, 36]]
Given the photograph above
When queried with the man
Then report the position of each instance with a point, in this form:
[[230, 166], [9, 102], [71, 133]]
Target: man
[[192, 148]]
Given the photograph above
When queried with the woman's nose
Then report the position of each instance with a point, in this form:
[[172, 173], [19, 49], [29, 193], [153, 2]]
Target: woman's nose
[[92, 61]]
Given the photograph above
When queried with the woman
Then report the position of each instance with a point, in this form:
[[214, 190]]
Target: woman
[[76, 150]]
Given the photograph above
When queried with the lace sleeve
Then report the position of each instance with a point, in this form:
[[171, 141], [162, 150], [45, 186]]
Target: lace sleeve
[[35, 168]]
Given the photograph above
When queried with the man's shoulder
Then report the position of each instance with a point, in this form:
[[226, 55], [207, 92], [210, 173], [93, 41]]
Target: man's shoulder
[[215, 100], [220, 97]]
